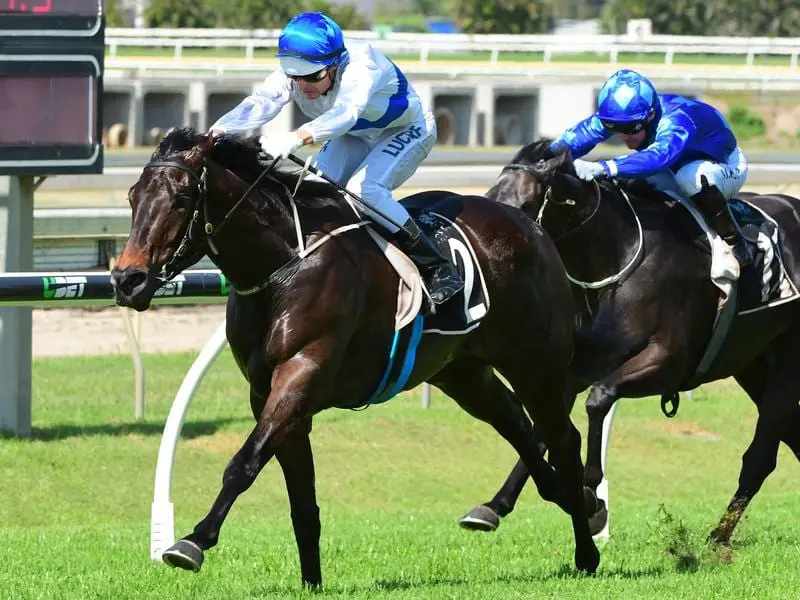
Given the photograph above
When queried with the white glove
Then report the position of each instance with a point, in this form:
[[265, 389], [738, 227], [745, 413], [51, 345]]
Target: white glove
[[280, 144], [588, 170]]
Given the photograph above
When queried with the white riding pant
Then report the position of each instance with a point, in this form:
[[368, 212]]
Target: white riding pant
[[372, 170], [729, 176]]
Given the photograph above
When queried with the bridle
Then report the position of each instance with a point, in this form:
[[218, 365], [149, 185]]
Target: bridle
[[537, 174], [179, 260], [593, 285]]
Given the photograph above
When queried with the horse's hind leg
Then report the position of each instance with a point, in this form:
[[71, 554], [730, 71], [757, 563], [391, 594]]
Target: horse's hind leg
[[486, 516], [777, 416], [543, 391], [471, 382], [791, 434], [475, 387]]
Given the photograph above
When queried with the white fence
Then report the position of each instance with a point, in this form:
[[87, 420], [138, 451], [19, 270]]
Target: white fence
[[424, 44]]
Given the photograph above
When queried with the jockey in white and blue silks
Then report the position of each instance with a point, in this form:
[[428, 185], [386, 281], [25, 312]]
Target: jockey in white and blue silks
[[677, 141], [376, 128]]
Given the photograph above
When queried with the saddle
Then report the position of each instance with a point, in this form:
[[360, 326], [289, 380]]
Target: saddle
[[460, 315], [763, 284]]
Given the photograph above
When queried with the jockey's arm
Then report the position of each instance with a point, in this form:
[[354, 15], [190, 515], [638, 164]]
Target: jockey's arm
[[259, 107], [582, 137], [360, 80], [672, 137]]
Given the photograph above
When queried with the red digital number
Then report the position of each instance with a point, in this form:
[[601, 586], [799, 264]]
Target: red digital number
[[43, 7]]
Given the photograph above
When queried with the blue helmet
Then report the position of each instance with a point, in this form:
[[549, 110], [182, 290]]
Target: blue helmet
[[310, 42], [625, 97]]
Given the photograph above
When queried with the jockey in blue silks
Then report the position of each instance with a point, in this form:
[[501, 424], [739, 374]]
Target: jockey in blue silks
[[678, 141], [376, 128]]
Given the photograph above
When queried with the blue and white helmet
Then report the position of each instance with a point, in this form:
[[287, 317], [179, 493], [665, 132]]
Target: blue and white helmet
[[626, 97], [310, 42]]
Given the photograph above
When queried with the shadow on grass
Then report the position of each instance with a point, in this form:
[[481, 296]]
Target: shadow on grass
[[394, 585], [191, 429]]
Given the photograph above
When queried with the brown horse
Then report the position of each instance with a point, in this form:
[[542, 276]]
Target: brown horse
[[313, 332], [647, 315]]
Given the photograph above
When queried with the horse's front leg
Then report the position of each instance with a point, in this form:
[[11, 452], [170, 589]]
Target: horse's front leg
[[286, 411], [297, 462]]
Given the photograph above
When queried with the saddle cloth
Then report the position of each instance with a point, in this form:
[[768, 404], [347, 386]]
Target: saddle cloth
[[459, 315], [765, 282]]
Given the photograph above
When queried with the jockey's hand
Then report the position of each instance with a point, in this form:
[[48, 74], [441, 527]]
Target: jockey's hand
[[588, 170], [280, 144]]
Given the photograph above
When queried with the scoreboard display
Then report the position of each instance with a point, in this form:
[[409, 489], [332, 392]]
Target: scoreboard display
[[51, 86]]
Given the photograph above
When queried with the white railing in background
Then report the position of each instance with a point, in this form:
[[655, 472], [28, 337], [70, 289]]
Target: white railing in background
[[423, 44]]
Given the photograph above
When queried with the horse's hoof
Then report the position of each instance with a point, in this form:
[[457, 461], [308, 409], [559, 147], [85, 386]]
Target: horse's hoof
[[719, 537], [480, 518], [184, 554], [588, 564], [598, 521]]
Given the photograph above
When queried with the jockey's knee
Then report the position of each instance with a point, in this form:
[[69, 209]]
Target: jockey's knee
[[719, 176], [378, 196]]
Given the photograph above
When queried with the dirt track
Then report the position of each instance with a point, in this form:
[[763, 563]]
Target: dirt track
[[61, 332]]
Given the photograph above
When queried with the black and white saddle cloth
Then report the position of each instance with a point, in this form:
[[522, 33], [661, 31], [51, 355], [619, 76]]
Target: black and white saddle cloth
[[764, 283], [464, 311]]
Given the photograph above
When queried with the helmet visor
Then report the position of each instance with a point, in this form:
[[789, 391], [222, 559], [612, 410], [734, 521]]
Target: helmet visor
[[625, 127], [297, 67]]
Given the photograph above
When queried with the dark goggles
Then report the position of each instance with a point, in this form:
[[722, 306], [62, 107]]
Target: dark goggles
[[312, 77], [626, 127]]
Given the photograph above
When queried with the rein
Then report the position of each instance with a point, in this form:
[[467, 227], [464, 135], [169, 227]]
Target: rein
[[179, 261], [632, 264], [590, 285]]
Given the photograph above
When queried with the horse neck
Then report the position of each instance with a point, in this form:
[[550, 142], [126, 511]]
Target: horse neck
[[258, 237], [263, 233], [595, 241]]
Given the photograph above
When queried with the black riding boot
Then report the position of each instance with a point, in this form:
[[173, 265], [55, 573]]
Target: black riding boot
[[441, 278], [718, 215]]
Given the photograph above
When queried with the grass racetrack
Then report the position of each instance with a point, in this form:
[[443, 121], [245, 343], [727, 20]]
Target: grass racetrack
[[391, 482]]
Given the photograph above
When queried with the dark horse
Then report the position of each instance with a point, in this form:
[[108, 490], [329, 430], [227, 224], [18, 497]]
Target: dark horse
[[313, 332], [643, 332]]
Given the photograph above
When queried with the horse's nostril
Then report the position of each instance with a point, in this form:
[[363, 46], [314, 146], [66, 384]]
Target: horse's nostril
[[129, 283]]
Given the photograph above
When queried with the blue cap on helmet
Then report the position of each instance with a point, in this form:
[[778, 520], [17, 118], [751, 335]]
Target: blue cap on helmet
[[626, 96], [310, 42]]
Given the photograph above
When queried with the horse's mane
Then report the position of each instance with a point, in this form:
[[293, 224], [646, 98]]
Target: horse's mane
[[536, 151], [544, 159], [548, 161], [243, 157]]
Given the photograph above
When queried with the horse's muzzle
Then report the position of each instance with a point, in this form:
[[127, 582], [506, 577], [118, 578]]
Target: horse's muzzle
[[133, 288]]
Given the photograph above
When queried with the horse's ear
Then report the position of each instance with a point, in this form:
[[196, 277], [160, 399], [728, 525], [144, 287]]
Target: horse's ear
[[562, 161], [206, 144], [201, 150]]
